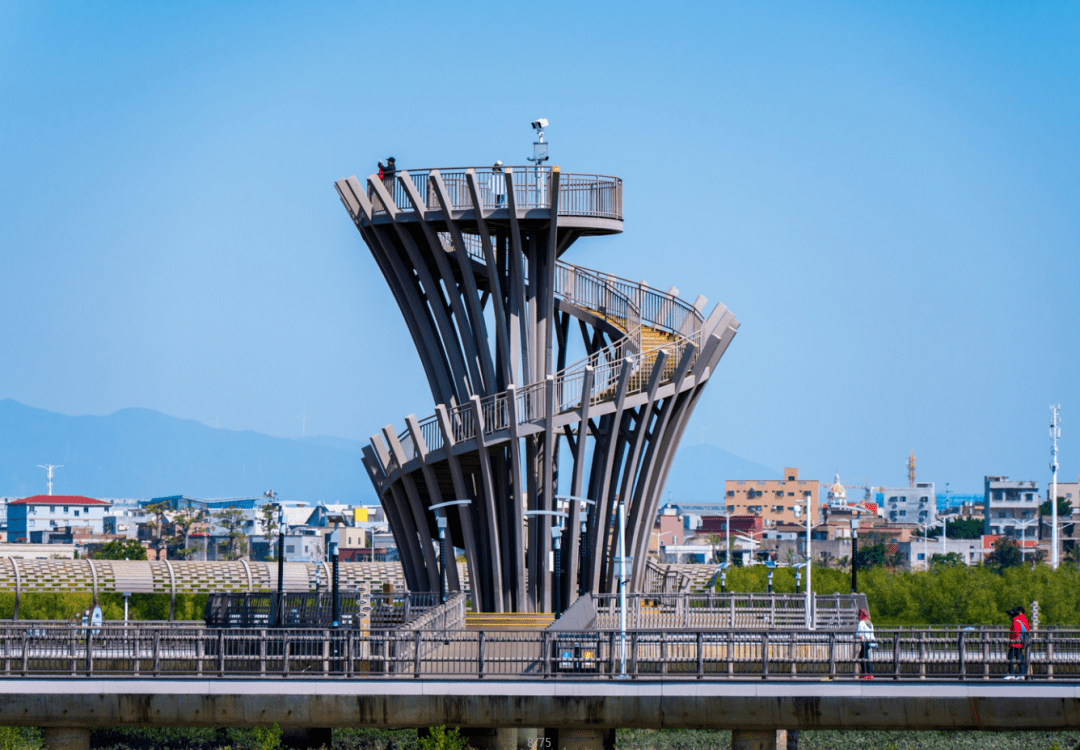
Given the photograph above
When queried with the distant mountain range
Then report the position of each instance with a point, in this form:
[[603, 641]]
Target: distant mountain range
[[140, 453]]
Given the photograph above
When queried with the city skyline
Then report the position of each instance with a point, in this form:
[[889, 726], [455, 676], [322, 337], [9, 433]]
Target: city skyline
[[884, 197]]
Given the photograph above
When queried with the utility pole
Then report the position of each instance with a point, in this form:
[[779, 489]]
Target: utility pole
[[1055, 433]]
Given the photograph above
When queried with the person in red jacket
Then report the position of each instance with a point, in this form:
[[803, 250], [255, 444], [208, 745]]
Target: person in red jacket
[[1018, 640]]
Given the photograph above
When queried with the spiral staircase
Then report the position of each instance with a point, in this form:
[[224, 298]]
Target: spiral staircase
[[532, 417]]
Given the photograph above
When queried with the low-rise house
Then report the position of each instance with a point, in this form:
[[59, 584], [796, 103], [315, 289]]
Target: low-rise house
[[51, 512]]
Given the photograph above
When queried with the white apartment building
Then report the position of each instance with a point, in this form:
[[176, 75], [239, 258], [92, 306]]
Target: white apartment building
[[916, 504], [1011, 505]]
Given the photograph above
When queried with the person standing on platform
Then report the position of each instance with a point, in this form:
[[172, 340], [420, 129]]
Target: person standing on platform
[[388, 174], [498, 185], [1021, 631], [864, 634]]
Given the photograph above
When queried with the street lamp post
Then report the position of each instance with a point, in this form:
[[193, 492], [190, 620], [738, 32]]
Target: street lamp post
[[727, 533], [925, 543], [660, 535], [623, 579], [855, 555], [1023, 525], [556, 594], [585, 503], [557, 515], [335, 588], [280, 619], [809, 559], [1055, 433], [441, 512]]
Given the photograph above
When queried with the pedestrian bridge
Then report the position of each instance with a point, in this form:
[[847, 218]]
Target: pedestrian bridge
[[428, 672]]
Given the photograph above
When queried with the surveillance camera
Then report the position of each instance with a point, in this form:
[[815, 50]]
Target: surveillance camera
[[539, 124]]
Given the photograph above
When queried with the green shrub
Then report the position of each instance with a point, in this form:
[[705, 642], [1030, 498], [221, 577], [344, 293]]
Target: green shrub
[[440, 738]]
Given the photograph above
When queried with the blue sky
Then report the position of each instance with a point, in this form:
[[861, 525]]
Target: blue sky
[[885, 194]]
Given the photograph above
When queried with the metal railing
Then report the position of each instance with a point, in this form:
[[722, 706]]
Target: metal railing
[[657, 611], [630, 306], [590, 195], [112, 650], [389, 611], [664, 580]]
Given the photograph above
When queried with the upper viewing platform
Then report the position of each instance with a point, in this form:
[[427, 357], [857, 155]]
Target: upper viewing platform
[[587, 202]]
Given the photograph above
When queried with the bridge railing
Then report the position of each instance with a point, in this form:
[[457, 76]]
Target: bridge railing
[[710, 611], [111, 649], [591, 195]]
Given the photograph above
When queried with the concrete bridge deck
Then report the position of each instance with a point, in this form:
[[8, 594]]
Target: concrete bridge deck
[[747, 705]]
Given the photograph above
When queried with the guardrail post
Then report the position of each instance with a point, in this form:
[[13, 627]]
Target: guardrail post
[[416, 654], [548, 649], [221, 653], [700, 654], [1049, 655], [634, 653], [984, 648], [157, 653], [731, 653], [200, 653], [765, 655], [284, 653], [832, 655], [612, 669], [961, 655], [89, 652], [480, 640], [25, 652], [326, 652], [72, 651], [793, 653], [896, 655], [262, 653], [922, 654], [663, 653]]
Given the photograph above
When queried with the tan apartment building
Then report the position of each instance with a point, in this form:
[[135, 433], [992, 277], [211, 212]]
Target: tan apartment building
[[773, 500]]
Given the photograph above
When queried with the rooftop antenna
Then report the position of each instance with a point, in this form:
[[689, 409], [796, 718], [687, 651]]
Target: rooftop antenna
[[49, 468], [911, 469], [303, 416], [1055, 433], [540, 155]]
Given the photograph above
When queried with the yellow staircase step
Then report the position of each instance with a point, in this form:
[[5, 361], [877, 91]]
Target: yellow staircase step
[[508, 620]]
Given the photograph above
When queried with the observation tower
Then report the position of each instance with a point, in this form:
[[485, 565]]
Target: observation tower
[[559, 391]]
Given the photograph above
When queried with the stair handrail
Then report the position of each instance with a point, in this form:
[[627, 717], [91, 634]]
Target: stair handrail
[[598, 292]]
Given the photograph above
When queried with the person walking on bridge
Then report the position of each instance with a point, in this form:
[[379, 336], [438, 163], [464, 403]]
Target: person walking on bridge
[[864, 634], [1021, 631]]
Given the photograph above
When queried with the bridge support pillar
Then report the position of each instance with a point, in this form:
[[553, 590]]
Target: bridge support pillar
[[305, 738], [493, 738], [528, 738], [579, 739], [66, 738], [752, 739]]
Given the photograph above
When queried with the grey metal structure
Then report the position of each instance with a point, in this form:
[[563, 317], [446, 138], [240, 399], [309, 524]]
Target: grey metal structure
[[473, 257], [438, 646]]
